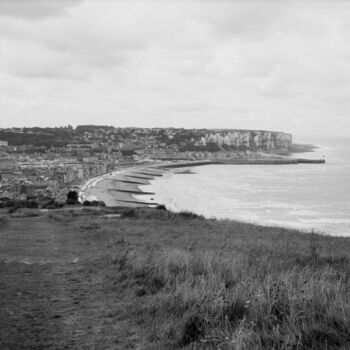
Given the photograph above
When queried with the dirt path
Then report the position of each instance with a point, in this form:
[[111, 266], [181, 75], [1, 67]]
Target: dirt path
[[52, 291]]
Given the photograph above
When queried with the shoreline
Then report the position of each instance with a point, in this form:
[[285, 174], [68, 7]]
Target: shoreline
[[126, 191], [124, 187], [132, 186]]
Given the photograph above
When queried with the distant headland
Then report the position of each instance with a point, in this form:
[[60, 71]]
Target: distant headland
[[176, 139]]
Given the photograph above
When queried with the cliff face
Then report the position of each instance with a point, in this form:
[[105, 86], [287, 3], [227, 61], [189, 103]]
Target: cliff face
[[249, 139]]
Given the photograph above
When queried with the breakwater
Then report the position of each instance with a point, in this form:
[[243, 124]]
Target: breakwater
[[246, 161]]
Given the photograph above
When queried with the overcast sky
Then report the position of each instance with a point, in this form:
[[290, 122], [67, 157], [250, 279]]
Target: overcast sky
[[279, 65]]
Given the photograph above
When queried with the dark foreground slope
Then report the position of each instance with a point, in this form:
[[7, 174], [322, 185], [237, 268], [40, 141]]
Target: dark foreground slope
[[154, 280]]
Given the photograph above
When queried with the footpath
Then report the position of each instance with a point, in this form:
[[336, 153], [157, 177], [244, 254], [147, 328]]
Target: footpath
[[52, 292]]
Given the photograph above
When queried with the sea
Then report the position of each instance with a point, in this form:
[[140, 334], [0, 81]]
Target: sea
[[308, 197]]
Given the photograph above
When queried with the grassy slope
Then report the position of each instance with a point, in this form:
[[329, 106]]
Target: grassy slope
[[154, 280]]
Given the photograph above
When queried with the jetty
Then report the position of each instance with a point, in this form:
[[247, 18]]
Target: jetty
[[311, 161], [246, 161]]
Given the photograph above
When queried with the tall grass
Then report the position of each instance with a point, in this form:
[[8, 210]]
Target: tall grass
[[231, 289], [3, 223], [236, 302], [192, 283]]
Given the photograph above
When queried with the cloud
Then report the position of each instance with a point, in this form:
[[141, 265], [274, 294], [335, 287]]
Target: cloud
[[35, 9], [184, 63]]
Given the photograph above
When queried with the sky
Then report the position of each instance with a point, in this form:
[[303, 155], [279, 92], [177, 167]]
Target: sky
[[274, 65]]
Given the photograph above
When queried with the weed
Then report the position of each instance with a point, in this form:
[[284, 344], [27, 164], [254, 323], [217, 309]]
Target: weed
[[128, 213], [185, 282], [185, 214], [193, 330], [3, 223]]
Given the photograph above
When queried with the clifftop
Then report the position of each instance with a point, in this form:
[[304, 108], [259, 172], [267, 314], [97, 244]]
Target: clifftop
[[155, 279], [137, 138]]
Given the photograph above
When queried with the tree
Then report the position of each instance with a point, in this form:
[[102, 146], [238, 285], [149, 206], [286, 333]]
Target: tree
[[72, 198]]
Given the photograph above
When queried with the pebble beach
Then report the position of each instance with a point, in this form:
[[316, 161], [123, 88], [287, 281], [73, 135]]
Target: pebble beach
[[120, 187]]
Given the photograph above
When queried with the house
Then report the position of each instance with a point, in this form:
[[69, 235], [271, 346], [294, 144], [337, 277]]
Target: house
[[22, 197], [6, 162], [6, 195], [127, 155], [3, 145], [32, 190]]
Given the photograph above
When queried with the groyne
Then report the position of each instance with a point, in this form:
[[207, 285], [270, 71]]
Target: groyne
[[119, 188], [125, 183]]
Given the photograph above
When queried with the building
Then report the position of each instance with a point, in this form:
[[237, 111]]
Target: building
[[33, 190], [7, 163], [3, 145]]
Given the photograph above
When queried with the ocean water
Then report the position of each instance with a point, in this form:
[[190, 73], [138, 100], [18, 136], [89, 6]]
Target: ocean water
[[304, 196]]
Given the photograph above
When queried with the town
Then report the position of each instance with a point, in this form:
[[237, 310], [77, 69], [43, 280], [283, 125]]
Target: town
[[48, 162]]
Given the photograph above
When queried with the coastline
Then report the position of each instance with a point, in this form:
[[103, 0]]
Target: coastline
[[247, 200], [132, 186], [120, 187]]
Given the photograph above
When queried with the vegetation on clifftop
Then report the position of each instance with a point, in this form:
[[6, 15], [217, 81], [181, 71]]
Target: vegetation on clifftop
[[227, 285], [159, 280]]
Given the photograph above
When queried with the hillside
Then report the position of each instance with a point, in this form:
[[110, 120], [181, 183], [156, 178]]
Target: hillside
[[210, 140], [150, 279]]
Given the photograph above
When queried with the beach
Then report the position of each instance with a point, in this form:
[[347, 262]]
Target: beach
[[308, 197], [120, 187], [271, 191]]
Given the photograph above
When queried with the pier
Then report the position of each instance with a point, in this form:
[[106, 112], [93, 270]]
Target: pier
[[269, 161]]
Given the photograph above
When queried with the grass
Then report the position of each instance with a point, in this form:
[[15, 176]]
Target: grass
[[3, 223], [191, 283], [231, 288], [239, 301]]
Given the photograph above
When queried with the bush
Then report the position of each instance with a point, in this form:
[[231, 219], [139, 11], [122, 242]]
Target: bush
[[53, 205], [13, 205], [255, 310], [161, 207], [193, 330], [3, 223], [128, 213], [186, 214], [72, 198], [94, 204], [26, 212]]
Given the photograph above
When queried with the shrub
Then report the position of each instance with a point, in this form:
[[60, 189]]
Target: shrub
[[3, 223], [52, 205], [94, 204], [72, 198], [193, 330], [128, 213], [220, 301], [186, 214], [161, 207], [14, 205]]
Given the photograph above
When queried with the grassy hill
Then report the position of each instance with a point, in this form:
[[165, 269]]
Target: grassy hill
[[150, 279]]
